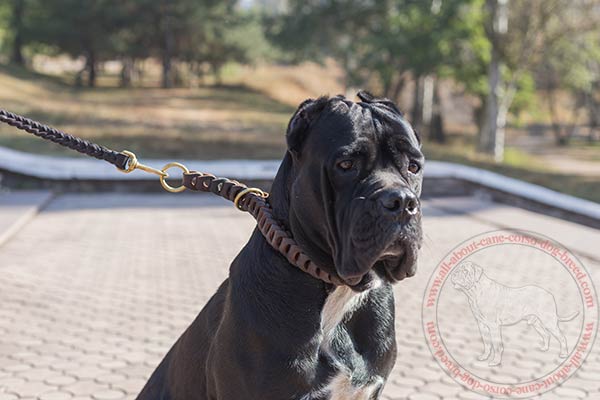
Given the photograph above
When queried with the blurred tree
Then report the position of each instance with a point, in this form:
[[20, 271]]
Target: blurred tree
[[520, 33], [12, 29], [16, 28], [78, 29], [493, 47], [382, 43], [573, 66], [4, 18], [222, 34], [198, 32]]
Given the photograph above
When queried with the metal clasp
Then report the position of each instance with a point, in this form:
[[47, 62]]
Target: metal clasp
[[134, 164]]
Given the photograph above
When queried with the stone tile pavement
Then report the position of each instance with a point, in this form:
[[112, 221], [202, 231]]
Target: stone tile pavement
[[17, 208], [96, 288]]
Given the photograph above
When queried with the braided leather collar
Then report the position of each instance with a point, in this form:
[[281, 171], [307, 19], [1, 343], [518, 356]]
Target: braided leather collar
[[280, 239]]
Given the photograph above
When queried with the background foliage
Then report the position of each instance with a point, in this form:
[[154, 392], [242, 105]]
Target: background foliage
[[515, 62]]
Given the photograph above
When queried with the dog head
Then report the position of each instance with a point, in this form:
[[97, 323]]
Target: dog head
[[353, 180], [465, 275]]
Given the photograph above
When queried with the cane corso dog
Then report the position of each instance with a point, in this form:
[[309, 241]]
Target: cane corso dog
[[348, 191], [495, 305]]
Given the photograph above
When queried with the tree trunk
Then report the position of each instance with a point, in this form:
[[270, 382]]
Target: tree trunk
[[436, 128], [556, 126], [593, 108], [90, 66], [501, 130], [426, 112], [387, 85], [491, 136], [167, 78], [417, 109], [398, 87], [427, 104], [216, 70], [487, 136], [18, 8], [127, 71]]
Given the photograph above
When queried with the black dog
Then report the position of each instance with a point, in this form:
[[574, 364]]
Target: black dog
[[348, 191]]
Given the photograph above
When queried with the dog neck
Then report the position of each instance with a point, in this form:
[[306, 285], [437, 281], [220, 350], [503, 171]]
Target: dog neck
[[281, 294], [312, 242], [278, 288]]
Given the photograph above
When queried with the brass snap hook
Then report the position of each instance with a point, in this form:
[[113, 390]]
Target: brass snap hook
[[134, 164]]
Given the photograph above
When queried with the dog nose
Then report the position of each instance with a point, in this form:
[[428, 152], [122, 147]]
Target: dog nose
[[399, 202]]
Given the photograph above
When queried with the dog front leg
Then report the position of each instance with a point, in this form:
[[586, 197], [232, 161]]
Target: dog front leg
[[498, 347], [484, 330]]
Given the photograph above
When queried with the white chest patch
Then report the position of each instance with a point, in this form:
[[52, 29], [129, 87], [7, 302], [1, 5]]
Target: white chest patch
[[341, 388], [340, 305]]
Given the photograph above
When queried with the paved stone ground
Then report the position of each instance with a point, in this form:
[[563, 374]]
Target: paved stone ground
[[96, 288]]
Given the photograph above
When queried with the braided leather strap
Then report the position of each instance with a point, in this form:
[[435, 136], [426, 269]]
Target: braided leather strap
[[64, 139], [276, 235]]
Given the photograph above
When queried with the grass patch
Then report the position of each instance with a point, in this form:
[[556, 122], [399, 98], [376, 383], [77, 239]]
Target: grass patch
[[206, 122]]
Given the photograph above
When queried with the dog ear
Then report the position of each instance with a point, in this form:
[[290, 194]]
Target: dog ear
[[477, 272], [300, 122]]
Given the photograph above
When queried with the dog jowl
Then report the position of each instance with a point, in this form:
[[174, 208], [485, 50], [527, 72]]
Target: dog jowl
[[348, 191]]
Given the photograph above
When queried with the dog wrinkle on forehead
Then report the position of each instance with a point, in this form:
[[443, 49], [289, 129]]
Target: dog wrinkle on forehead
[[399, 132], [396, 135], [359, 118]]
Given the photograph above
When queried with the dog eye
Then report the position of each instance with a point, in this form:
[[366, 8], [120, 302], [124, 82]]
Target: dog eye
[[345, 165], [413, 167]]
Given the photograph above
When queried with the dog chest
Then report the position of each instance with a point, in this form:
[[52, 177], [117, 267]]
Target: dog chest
[[338, 307]]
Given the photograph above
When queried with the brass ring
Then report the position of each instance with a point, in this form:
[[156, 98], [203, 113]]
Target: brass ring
[[236, 201], [163, 178], [131, 164]]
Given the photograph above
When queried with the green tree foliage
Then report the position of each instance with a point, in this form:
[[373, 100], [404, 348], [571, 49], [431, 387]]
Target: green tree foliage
[[530, 29], [12, 29], [381, 43], [196, 32], [220, 35], [77, 28], [573, 65]]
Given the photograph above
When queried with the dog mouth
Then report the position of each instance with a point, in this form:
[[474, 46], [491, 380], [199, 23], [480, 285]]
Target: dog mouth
[[391, 267], [396, 266], [378, 250]]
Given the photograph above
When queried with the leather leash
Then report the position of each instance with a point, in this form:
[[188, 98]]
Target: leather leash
[[251, 200]]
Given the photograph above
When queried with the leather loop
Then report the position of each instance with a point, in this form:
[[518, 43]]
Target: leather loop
[[190, 180]]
